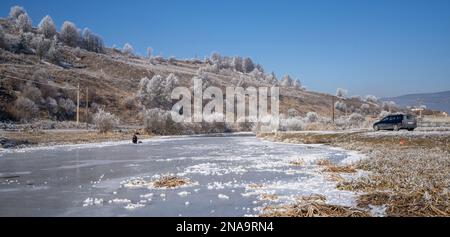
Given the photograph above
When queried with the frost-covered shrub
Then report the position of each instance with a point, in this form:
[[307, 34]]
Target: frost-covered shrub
[[69, 34], [128, 49], [105, 121], [16, 11], [388, 105], [341, 93], [292, 124], [371, 98], [66, 108], [52, 106], [42, 77], [339, 105], [312, 117], [159, 121], [214, 68], [129, 102], [92, 42], [41, 45], [292, 113], [47, 27], [365, 108], [156, 93], [32, 92], [356, 120], [24, 109]]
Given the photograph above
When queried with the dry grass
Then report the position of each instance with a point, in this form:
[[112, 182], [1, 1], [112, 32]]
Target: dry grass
[[323, 162], [312, 206], [170, 182], [340, 169], [53, 137], [269, 197], [297, 163], [408, 173]]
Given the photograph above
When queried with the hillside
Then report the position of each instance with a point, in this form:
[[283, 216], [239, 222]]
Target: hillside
[[435, 101], [112, 77]]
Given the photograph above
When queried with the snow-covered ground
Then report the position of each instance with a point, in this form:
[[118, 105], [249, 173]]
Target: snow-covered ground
[[231, 176]]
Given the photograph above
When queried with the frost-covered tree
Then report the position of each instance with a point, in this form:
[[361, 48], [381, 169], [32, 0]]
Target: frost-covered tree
[[237, 64], [259, 67], [156, 93], [47, 27], [248, 65], [41, 45], [371, 98], [272, 78], [297, 84], [24, 22], [286, 81], [215, 57], [53, 54], [149, 52], [341, 93], [16, 11], [92, 42], [69, 34], [105, 121], [128, 49]]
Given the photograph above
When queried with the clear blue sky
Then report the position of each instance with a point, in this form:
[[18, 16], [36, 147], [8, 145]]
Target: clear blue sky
[[380, 47]]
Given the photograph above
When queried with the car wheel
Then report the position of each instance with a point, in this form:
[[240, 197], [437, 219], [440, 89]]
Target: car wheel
[[396, 127], [376, 128], [410, 129]]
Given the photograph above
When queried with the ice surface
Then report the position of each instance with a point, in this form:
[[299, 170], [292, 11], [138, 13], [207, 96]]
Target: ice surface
[[231, 176]]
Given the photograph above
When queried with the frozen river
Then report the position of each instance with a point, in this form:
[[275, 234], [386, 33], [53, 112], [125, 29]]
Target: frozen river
[[231, 175]]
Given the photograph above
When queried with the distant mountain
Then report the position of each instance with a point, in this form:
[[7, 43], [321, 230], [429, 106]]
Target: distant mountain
[[435, 101]]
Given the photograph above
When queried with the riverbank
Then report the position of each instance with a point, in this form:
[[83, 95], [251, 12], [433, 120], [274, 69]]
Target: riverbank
[[408, 172], [22, 139]]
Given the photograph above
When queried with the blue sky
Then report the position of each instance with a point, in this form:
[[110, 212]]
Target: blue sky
[[380, 47]]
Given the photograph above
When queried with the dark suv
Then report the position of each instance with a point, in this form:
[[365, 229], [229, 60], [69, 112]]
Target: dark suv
[[396, 122]]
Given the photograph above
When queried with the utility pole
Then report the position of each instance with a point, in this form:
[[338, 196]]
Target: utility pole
[[87, 104], [78, 103], [332, 107]]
